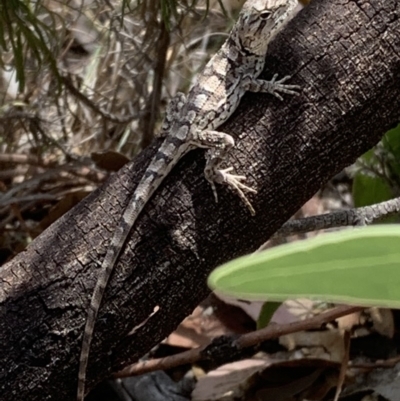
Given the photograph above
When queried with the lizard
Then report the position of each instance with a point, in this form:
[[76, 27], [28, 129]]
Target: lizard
[[191, 122]]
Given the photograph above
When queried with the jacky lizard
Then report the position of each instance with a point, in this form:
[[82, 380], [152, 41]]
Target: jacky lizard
[[192, 123]]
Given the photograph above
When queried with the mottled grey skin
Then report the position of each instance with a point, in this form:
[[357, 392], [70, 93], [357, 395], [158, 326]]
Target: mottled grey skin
[[192, 123]]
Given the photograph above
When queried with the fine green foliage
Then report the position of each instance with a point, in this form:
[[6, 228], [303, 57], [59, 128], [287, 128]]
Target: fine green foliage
[[357, 266], [27, 30]]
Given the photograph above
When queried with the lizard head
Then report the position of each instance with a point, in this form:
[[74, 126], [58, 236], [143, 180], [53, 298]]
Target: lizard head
[[259, 21]]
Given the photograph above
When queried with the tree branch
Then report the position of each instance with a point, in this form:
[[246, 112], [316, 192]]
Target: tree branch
[[346, 56]]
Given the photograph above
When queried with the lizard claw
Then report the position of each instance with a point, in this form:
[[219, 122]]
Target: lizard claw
[[274, 87], [223, 176], [280, 86]]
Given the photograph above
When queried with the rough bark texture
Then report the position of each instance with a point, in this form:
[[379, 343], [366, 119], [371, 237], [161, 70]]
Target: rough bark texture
[[346, 56]]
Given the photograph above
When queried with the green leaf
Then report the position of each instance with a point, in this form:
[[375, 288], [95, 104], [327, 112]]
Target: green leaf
[[267, 311], [370, 189], [380, 172], [19, 61], [357, 266], [29, 37], [391, 143]]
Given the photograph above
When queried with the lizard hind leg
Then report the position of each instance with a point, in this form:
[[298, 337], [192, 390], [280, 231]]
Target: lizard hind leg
[[219, 144], [234, 181]]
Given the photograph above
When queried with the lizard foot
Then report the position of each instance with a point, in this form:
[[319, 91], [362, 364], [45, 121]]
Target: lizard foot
[[219, 144], [280, 86], [274, 87], [235, 182]]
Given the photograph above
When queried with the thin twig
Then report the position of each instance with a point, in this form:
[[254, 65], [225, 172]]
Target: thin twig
[[360, 216], [244, 341], [89, 103]]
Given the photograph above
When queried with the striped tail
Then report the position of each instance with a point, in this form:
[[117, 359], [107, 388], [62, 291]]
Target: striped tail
[[107, 268], [163, 162]]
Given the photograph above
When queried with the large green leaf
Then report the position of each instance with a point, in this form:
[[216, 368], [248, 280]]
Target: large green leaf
[[358, 266]]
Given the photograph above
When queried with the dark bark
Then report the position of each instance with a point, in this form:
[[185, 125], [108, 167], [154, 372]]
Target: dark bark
[[346, 56]]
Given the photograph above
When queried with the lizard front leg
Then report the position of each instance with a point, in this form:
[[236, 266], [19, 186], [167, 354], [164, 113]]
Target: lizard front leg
[[273, 87], [219, 144]]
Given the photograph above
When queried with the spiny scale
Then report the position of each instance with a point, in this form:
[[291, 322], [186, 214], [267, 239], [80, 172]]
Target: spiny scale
[[192, 123]]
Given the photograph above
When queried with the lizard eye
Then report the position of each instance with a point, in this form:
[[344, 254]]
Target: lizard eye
[[265, 14]]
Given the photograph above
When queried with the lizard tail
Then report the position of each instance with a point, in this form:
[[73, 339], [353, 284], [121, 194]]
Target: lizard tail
[[160, 166], [106, 270]]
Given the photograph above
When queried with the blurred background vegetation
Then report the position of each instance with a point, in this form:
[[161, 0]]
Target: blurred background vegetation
[[83, 88]]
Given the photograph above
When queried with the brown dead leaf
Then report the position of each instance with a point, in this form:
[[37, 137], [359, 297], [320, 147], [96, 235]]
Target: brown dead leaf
[[230, 381], [233, 315], [251, 308], [197, 330], [326, 345], [268, 378], [383, 321], [109, 160], [344, 365], [348, 322], [294, 310]]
